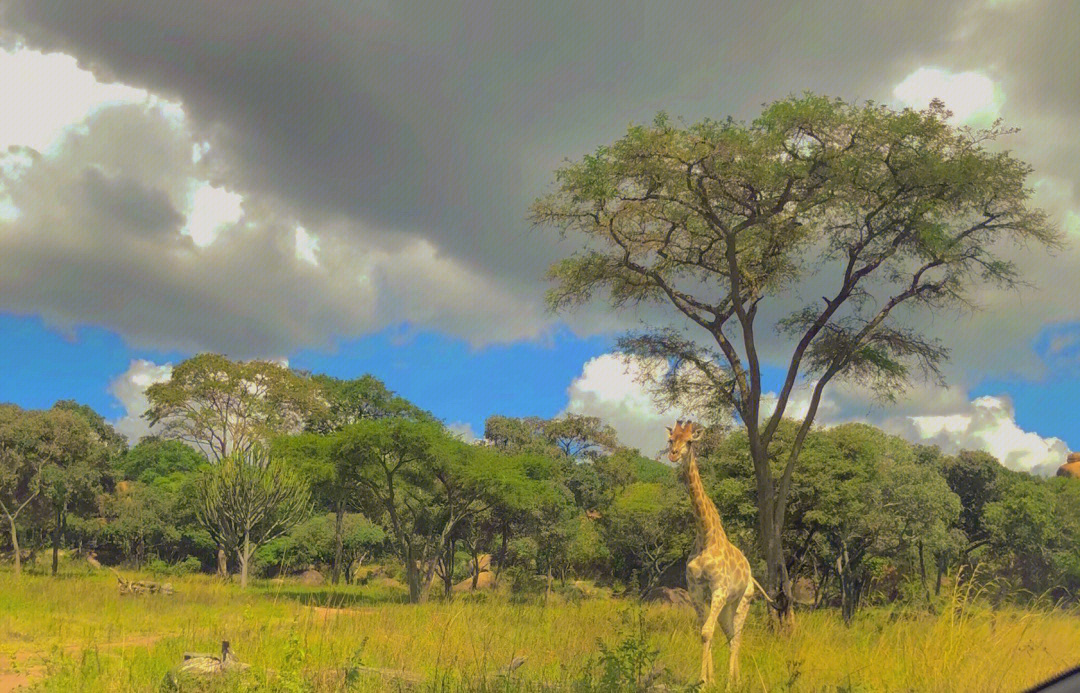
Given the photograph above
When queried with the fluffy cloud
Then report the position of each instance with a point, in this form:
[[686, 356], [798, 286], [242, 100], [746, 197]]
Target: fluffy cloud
[[463, 430], [130, 389], [946, 417], [610, 389], [134, 238]]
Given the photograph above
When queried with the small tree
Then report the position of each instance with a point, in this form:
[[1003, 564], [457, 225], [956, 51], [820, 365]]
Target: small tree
[[20, 473], [720, 221], [249, 499]]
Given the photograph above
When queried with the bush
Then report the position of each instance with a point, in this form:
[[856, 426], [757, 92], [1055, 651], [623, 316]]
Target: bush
[[188, 566]]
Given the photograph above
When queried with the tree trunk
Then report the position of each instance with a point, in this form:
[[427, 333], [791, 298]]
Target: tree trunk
[[15, 546], [476, 564], [222, 562], [339, 543], [56, 540], [502, 552], [412, 571], [448, 570], [245, 557], [770, 535]]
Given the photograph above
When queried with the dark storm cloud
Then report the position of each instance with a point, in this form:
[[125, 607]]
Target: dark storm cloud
[[446, 119], [129, 204], [420, 132]]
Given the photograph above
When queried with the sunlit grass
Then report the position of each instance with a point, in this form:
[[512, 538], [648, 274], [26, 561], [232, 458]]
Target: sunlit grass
[[80, 634]]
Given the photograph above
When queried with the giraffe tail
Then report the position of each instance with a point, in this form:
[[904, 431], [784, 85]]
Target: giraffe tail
[[761, 589]]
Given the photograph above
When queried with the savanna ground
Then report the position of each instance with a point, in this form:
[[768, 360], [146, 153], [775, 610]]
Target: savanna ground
[[77, 633]]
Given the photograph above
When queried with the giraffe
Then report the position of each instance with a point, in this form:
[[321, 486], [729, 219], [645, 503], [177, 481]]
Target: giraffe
[[717, 574]]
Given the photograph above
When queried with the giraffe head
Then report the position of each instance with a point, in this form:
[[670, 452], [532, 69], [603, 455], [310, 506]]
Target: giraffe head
[[680, 437]]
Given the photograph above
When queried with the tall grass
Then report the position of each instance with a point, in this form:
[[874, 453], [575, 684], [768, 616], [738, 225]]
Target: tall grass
[[80, 634]]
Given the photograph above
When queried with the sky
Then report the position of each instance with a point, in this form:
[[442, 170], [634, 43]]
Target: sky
[[345, 185]]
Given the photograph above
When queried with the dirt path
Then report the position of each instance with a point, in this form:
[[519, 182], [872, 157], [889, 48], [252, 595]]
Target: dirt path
[[25, 666]]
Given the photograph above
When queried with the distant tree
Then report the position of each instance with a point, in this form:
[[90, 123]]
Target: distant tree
[[314, 541], [223, 406], [115, 443], [334, 481], [73, 460], [155, 460], [518, 435], [248, 499], [973, 476], [20, 473], [647, 530], [351, 401], [719, 220], [578, 435]]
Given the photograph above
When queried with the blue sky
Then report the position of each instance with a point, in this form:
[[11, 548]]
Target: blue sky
[[457, 382], [355, 197]]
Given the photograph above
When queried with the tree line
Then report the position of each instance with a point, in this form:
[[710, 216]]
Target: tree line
[[260, 469]]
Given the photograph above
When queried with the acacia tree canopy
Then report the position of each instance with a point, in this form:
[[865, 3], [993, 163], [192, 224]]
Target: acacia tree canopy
[[897, 210], [224, 406]]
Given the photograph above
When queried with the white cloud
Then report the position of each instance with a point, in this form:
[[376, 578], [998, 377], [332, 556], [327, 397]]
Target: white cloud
[[989, 424], [973, 97], [463, 430], [48, 93], [608, 388], [130, 389], [210, 209]]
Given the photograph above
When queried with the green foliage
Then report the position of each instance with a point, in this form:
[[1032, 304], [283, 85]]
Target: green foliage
[[648, 528], [313, 542]]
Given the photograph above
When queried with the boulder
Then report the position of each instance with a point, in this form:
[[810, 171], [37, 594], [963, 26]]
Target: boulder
[[485, 581], [668, 595], [312, 578], [804, 591], [1071, 466]]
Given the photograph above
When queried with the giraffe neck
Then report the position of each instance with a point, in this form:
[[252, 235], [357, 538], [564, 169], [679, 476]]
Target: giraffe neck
[[709, 529]]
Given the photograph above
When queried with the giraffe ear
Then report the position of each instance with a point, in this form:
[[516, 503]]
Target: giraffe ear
[[669, 429], [698, 433]]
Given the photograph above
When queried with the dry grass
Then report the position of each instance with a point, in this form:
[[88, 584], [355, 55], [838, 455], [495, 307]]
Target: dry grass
[[79, 634]]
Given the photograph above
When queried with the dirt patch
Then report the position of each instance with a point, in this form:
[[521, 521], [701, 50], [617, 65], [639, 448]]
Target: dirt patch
[[333, 611], [26, 666]]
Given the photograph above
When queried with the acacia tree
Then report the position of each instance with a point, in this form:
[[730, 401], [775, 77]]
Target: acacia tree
[[223, 406], [248, 499], [725, 222]]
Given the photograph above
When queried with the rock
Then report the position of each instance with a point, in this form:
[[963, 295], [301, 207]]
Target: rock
[[667, 595], [198, 665], [312, 578], [485, 581], [1071, 466], [803, 591]]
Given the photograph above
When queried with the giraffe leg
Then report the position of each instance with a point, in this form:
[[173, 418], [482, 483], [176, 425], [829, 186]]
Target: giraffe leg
[[736, 638], [707, 630]]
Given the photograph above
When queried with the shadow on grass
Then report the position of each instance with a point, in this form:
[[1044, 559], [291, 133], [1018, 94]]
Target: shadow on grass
[[339, 598]]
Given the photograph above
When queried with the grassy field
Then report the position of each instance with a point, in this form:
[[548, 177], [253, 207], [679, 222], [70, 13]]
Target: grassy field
[[79, 634]]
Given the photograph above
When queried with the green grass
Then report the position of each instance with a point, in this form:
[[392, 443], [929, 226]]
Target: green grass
[[80, 634]]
